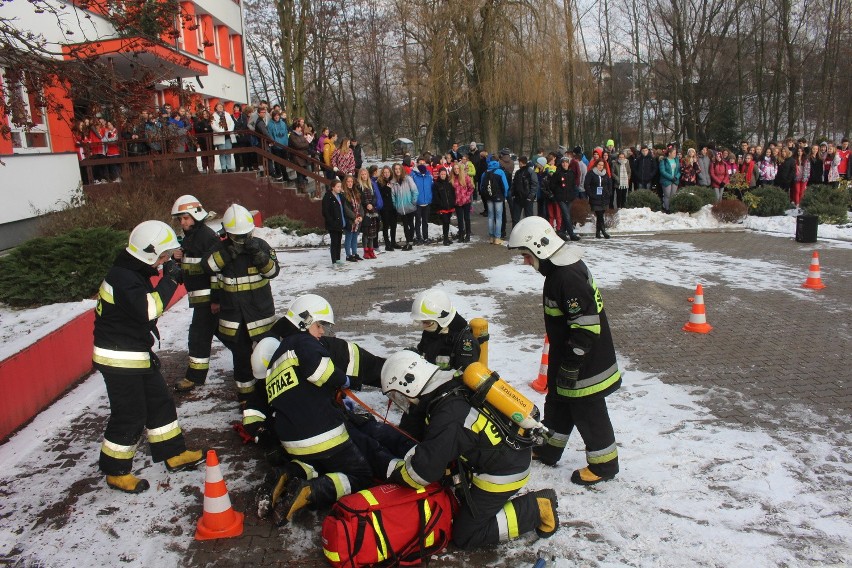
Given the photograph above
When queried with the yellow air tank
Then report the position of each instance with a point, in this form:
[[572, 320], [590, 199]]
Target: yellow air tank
[[501, 395], [479, 328]]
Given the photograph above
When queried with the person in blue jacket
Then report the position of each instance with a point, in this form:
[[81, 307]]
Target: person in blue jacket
[[669, 175], [493, 188], [422, 178], [279, 132]]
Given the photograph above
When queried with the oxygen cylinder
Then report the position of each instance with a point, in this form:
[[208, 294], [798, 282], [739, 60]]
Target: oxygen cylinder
[[479, 328], [501, 395]]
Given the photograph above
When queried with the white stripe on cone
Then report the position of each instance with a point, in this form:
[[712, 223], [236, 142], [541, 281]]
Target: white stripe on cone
[[217, 504]]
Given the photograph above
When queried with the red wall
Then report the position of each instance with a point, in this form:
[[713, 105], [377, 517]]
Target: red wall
[[34, 378]]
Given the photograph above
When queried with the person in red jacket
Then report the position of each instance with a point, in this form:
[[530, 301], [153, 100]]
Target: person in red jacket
[[719, 177], [844, 151]]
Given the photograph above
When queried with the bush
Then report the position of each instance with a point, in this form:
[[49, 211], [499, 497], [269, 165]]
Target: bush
[[581, 211], [828, 213], [685, 202], [65, 268], [643, 198], [730, 211], [767, 201], [120, 206], [706, 194], [610, 219], [290, 226]]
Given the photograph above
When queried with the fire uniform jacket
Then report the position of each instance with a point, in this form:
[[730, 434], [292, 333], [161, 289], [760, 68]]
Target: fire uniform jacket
[[198, 242], [245, 294], [492, 470], [126, 316], [576, 323], [454, 349]]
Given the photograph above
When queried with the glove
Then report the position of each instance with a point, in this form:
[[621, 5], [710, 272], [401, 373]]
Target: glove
[[233, 250], [171, 269], [569, 373]]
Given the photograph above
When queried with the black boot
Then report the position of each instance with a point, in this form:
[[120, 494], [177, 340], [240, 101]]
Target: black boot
[[605, 234]]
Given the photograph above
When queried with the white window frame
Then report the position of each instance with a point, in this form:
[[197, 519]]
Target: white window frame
[[199, 34], [216, 50], [180, 40], [231, 51], [22, 132]]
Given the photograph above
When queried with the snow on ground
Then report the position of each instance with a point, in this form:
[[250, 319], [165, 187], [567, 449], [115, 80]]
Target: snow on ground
[[692, 491]]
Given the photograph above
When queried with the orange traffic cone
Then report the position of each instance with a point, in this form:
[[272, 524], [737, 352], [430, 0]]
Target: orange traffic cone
[[697, 319], [814, 282], [219, 519], [540, 384]]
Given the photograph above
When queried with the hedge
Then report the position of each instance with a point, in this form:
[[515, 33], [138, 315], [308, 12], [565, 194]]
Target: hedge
[[643, 198]]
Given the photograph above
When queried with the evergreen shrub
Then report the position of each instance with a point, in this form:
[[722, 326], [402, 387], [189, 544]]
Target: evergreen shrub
[[65, 268], [581, 211], [767, 201], [685, 202], [730, 211], [643, 198], [706, 194], [830, 204], [289, 226]]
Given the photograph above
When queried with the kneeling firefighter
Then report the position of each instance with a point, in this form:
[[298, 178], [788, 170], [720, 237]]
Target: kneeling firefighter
[[493, 461], [301, 383]]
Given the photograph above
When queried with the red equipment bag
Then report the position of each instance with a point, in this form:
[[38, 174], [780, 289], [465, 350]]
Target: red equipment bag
[[389, 525]]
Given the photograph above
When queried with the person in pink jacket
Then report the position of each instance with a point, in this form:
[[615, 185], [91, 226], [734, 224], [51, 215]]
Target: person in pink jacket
[[464, 193], [719, 176]]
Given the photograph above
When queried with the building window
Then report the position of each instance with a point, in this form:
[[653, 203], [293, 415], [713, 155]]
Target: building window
[[216, 53], [32, 138], [199, 34], [179, 39], [231, 51]]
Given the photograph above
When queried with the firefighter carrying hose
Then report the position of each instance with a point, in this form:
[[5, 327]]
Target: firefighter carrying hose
[[125, 330], [582, 368]]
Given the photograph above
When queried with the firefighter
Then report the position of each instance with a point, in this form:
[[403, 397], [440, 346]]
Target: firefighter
[[490, 471], [301, 383], [198, 241], [125, 329], [446, 341], [244, 266], [583, 369]]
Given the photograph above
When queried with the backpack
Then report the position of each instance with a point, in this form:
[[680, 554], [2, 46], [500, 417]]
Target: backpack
[[389, 525], [492, 188]]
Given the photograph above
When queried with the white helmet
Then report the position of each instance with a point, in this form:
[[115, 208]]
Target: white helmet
[[237, 220], [150, 239], [408, 374], [188, 204], [307, 309], [262, 356], [433, 305], [538, 236]]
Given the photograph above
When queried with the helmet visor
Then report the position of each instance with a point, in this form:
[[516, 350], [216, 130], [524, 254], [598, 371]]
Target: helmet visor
[[400, 400]]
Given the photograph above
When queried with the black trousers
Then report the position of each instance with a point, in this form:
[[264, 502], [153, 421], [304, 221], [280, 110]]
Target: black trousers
[[487, 518], [562, 414], [389, 225], [240, 346], [345, 470], [445, 225], [600, 225], [137, 402], [463, 219], [408, 227], [336, 237], [202, 328]]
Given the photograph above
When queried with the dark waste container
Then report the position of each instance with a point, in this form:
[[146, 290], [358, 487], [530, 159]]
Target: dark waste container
[[806, 228]]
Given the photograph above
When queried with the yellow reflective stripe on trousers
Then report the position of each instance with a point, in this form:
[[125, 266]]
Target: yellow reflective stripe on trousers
[[501, 483], [122, 359], [245, 387], [602, 456], [261, 326], [323, 372], [163, 433], [105, 292], [228, 328], [250, 416], [317, 444], [199, 363], [341, 484], [507, 522], [595, 384], [118, 451], [155, 305]]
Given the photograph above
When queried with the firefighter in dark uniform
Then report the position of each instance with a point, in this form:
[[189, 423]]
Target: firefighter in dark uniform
[[301, 385], [125, 330], [582, 368], [199, 240], [244, 266], [491, 471]]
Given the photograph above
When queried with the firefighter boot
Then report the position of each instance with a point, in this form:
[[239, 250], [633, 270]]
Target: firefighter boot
[[585, 476], [297, 496], [188, 459], [547, 514], [128, 483], [185, 385]]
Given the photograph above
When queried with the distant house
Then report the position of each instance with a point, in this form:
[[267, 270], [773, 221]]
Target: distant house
[[401, 146]]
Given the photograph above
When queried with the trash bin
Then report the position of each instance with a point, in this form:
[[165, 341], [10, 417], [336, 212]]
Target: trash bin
[[806, 228]]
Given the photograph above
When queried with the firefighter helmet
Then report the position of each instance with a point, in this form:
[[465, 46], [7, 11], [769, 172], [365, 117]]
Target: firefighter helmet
[[309, 308], [433, 305], [408, 374], [237, 220], [262, 356], [189, 205], [150, 239], [536, 235]]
